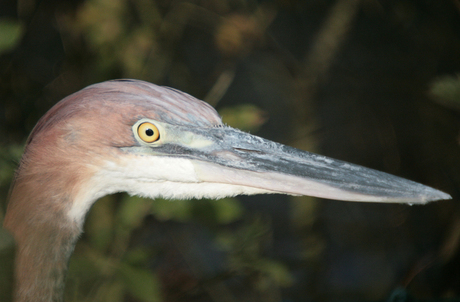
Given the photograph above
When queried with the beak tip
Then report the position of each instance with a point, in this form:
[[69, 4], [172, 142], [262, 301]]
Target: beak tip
[[431, 194], [441, 196]]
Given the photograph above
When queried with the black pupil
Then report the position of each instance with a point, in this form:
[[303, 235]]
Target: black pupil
[[149, 132]]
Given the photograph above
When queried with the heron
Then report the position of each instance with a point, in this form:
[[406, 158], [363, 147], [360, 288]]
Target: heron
[[136, 137]]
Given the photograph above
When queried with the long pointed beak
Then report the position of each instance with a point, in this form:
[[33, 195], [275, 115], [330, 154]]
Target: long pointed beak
[[224, 155], [239, 158]]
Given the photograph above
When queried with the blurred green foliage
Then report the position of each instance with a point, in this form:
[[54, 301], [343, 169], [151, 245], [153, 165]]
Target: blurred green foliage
[[11, 32], [246, 117], [245, 248], [114, 35], [9, 159], [446, 90]]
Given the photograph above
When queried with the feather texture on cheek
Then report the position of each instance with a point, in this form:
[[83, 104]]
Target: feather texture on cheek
[[151, 177], [135, 174]]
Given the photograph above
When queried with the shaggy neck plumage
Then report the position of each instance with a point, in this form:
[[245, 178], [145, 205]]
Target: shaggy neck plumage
[[41, 264], [45, 238]]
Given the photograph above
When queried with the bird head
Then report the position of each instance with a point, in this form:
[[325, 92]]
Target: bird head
[[152, 141]]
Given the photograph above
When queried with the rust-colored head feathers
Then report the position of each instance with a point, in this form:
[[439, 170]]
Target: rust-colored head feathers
[[69, 141], [126, 101]]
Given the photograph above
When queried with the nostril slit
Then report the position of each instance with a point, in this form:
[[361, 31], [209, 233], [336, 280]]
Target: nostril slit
[[247, 150]]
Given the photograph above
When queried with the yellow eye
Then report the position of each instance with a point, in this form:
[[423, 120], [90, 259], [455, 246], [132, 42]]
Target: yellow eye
[[148, 132]]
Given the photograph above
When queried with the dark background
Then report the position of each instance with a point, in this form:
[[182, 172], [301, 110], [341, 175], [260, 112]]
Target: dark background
[[370, 82]]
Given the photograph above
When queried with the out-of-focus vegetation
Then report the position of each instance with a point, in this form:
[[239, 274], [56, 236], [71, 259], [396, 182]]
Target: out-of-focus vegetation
[[10, 34], [356, 80], [446, 90]]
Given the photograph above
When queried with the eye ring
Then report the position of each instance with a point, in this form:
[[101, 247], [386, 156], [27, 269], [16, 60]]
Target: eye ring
[[148, 132]]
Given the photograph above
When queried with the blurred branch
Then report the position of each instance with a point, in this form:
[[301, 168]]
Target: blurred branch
[[220, 87], [235, 37], [171, 30], [331, 37], [451, 244], [324, 49]]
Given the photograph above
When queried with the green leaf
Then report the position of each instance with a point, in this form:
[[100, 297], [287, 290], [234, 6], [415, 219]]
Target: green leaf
[[110, 292], [246, 117], [133, 210], [446, 91], [99, 226], [227, 210], [9, 157], [141, 283], [277, 271], [177, 210], [10, 33], [137, 256]]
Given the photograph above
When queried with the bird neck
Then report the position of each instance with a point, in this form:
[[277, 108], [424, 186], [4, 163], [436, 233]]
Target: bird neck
[[45, 239], [40, 270]]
